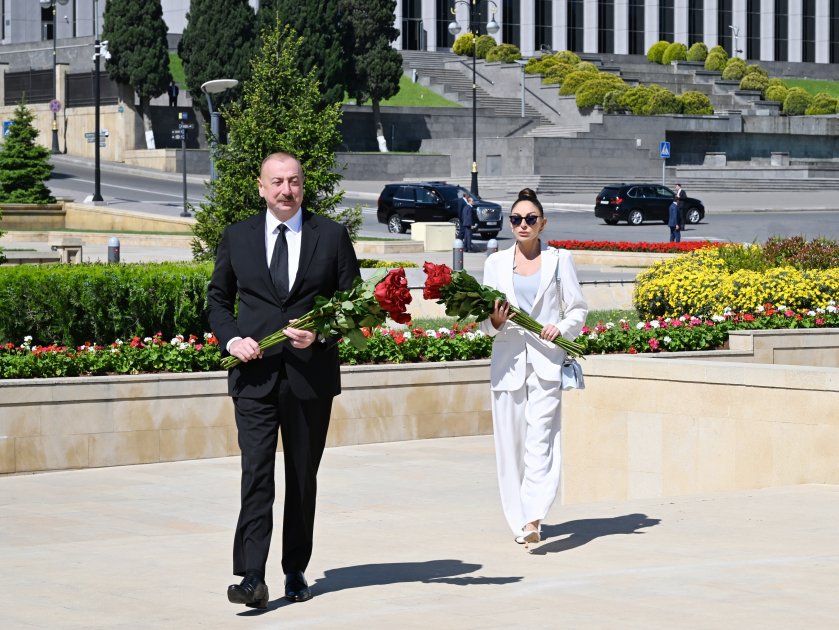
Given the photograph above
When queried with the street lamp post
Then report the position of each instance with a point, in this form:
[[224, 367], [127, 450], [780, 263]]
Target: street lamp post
[[492, 29], [51, 4], [215, 86]]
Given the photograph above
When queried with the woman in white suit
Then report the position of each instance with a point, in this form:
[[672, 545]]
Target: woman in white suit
[[525, 370]]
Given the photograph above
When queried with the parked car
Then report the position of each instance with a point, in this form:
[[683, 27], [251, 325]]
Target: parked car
[[403, 204], [636, 203]]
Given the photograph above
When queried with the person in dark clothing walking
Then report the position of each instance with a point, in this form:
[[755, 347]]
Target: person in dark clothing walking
[[680, 197]]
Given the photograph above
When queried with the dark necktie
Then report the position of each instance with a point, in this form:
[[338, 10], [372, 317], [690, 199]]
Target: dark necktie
[[279, 262]]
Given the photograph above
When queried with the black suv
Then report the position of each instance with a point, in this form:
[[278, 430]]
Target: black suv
[[402, 204], [636, 203]]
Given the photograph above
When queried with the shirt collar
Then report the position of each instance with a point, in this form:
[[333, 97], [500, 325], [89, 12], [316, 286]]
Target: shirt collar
[[295, 223]]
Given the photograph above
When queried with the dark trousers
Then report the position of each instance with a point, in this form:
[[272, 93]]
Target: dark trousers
[[675, 235], [682, 217], [303, 424], [466, 236]]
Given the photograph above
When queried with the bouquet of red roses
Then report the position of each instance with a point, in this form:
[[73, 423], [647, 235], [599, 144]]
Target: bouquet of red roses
[[366, 304], [463, 296]]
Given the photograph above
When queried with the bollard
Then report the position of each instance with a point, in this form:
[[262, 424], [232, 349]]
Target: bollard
[[457, 255], [113, 250], [492, 246], [414, 75]]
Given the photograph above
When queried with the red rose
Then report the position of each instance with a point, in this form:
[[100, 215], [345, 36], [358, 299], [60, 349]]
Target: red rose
[[393, 295], [438, 276]]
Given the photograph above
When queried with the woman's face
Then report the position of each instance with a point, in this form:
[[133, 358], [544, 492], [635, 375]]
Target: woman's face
[[523, 212]]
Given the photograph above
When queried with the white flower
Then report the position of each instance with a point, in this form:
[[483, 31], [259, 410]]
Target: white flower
[[27, 340], [175, 341], [147, 340], [114, 350], [639, 325], [431, 333], [654, 324], [592, 336], [811, 313], [470, 335], [444, 331], [407, 334], [683, 318], [610, 325], [183, 345], [831, 308], [667, 339], [118, 342], [92, 348], [718, 318], [759, 309], [479, 333]]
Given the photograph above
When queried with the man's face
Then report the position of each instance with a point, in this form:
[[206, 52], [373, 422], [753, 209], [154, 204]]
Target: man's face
[[281, 186]]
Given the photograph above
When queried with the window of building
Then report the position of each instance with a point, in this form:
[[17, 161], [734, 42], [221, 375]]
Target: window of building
[[544, 24], [575, 25], [834, 31], [808, 30], [724, 23], [444, 17], [696, 28], [781, 30], [413, 37], [636, 27], [753, 29], [606, 26], [511, 23], [665, 20]]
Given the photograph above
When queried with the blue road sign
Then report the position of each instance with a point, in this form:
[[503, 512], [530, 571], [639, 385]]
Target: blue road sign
[[664, 150], [6, 125], [55, 106]]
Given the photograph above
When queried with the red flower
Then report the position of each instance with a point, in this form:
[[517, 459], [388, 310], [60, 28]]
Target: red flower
[[438, 276], [653, 343], [393, 296], [632, 350]]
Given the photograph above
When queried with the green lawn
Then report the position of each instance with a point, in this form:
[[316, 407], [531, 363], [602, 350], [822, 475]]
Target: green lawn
[[814, 86], [177, 69], [413, 95]]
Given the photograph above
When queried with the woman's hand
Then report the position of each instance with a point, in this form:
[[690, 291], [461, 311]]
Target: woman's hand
[[500, 313], [549, 332]]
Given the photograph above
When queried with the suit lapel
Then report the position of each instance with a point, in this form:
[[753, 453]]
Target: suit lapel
[[308, 243], [548, 274], [506, 276]]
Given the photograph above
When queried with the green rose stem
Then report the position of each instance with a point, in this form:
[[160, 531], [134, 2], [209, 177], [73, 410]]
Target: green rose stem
[[304, 323], [572, 348]]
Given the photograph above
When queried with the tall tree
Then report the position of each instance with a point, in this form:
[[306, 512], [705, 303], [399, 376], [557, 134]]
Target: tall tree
[[136, 36], [374, 66], [320, 24], [24, 164], [281, 111], [217, 43]]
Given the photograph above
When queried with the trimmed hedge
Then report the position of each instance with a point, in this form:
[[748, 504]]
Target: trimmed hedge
[[797, 102], [656, 51], [696, 103], [575, 81], [483, 45], [776, 93], [674, 52], [593, 92], [821, 104], [715, 62], [72, 304], [735, 69], [507, 53], [698, 52]]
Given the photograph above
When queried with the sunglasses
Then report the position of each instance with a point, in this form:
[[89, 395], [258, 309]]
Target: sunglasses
[[530, 219]]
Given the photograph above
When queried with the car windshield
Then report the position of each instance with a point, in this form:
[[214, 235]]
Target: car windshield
[[450, 194]]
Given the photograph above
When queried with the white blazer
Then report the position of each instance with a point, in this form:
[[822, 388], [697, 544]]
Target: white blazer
[[514, 347]]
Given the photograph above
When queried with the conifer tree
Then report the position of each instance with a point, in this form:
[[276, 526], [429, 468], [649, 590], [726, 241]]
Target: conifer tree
[[217, 43], [136, 36], [374, 66], [319, 23], [24, 164], [280, 111]]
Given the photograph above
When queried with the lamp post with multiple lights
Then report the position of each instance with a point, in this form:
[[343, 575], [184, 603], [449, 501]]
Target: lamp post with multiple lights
[[47, 4], [492, 28]]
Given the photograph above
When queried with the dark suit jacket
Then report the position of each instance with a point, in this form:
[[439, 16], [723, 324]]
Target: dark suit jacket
[[466, 214], [327, 264]]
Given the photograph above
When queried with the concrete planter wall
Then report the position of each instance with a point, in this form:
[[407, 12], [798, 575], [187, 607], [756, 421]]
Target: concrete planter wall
[[644, 426]]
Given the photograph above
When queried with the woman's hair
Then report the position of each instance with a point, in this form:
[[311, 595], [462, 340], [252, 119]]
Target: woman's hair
[[527, 194]]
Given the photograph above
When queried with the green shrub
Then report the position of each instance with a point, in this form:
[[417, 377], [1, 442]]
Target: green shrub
[[656, 51], [635, 99], [592, 92], [735, 69], [718, 50], [464, 44], [756, 69], [556, 74], [483, 45], [676, 51], [776, 93], [754, 81], [662, 101], [715, 62], [612, 101], [796, 102], [566, 56], [698, 52], [536, 65], [821, 104], [796, 251], [72, 304], [575, 80], [777, 81], [507, 53], [696, 103], [587, 66]]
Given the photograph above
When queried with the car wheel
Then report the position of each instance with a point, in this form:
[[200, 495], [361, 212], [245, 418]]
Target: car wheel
[[610, 221], [693, 216], [635, 217], [394, 224]]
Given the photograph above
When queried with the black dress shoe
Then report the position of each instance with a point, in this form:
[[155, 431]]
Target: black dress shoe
[[296, 587], [251, 592]]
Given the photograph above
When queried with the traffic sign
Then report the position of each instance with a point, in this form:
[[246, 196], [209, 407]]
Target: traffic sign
[[55, 106], [90, 136], [6, 126], [186, 125], [664, 151], [177, 134]]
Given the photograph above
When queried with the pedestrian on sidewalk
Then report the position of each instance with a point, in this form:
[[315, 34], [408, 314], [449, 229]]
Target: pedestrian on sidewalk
[[680, 198], [468, 219], [276, 263], [673, 223], [526, 369], [173, 92]]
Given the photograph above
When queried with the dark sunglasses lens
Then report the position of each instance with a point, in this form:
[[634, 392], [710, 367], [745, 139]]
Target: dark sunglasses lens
[[530, 219], [515, 219]]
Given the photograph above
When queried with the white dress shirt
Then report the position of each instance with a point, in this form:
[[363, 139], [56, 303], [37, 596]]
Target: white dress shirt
[[292, 238]]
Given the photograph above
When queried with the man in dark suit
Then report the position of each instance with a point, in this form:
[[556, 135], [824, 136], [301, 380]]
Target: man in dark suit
[[466, 216], [277, 262], [680, 197]]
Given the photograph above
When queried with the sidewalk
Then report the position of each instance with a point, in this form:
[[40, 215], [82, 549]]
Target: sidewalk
[[410, 535]]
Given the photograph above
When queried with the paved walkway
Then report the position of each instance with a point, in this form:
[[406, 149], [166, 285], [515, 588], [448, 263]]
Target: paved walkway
[[411, 535]]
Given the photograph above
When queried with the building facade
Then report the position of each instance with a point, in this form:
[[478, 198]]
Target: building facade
[[767, 30]]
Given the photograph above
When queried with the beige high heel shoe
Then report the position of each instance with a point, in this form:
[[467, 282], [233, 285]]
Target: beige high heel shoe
[[529, 537]]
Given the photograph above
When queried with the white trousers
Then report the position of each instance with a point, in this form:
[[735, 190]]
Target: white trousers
[[526, 426]]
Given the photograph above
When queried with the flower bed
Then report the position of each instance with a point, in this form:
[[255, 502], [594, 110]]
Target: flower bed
[[625, 246]]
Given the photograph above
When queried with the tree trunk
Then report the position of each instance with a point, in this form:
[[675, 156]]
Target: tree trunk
[[145, 112], [377, 120]]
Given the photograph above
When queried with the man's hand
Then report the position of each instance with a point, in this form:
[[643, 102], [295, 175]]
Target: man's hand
[[245, 349], [300, 338]]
